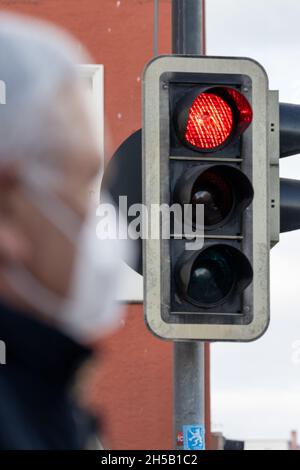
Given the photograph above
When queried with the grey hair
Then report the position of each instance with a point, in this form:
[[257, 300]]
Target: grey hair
[[38, 64]]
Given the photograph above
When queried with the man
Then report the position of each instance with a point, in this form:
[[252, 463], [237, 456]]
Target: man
[[56, 278]]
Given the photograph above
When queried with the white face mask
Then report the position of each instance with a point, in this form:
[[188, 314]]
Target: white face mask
[[90, 310]]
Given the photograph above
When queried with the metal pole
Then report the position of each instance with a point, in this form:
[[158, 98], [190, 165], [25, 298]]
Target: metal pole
[[189, 390], [188, 376], [187, 27]]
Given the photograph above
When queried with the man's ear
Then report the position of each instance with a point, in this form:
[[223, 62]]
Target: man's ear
[[13, 246]]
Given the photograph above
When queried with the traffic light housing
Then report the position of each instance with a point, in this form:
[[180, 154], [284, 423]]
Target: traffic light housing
[[289, 145], [205, 142]]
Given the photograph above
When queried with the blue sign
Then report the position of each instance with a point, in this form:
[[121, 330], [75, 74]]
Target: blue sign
[[193, 437]]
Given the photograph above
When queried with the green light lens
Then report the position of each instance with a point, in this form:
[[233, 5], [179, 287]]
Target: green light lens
[[212, 276]]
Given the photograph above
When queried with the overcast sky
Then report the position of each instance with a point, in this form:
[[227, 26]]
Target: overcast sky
[[256, 387]]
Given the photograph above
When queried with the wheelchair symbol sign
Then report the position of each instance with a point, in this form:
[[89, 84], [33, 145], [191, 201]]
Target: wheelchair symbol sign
[[193, 437]]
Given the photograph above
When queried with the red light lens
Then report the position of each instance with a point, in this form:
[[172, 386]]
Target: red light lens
[[210, 122]]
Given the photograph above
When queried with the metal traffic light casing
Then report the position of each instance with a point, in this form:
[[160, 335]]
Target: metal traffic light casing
[[205, 142], [289, 145]]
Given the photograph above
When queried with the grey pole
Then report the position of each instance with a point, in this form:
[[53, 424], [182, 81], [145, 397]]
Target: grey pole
[[188, 375], [187, 27], [189, 390]]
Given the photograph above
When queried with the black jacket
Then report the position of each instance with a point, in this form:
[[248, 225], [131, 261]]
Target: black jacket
[[36, 408]]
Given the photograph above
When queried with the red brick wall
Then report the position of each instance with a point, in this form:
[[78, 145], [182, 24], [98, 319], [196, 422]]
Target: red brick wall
[[134, 387]]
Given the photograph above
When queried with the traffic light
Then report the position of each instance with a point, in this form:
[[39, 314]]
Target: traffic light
[[289, 145], [206, 137]]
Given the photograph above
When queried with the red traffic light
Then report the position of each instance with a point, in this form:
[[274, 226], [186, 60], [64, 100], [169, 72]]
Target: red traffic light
[[209, 122], [209, 119]]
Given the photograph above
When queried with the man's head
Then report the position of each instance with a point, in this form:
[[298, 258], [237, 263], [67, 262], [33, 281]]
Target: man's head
[[46, 135]]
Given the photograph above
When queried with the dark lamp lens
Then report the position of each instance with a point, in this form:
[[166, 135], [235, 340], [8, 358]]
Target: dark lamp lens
[[212, 277], [213, 190]]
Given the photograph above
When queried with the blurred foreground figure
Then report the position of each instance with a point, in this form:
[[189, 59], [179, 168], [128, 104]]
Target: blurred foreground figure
[[57, 280]]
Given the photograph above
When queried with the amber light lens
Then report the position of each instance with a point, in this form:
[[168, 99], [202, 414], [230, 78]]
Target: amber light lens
[[210, 122], [215, 192]]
